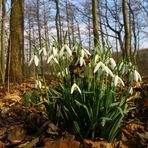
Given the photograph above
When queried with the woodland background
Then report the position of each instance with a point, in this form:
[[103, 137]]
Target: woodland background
[[26, 25]]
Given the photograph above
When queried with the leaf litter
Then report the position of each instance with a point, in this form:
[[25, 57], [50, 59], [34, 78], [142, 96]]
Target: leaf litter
[[27, 127]]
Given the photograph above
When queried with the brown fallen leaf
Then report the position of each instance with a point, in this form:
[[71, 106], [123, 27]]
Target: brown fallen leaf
[[2, 132], [97, 144], [31, 144], [61, 143], [143, 138], [2, 145], [16, 133], [52, 129]]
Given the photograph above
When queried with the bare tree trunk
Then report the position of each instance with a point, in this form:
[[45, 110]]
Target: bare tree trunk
[[101, 27], [16, 41], [30, 43], [95, 22], [126, 54], [68, 24], [57, 21], [3, 34], [39, 32]]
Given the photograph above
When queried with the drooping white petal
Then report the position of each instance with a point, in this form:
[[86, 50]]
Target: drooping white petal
[[55, 51], [82, 53], [56, 61], [131, 91], [75, 87], [44, 51], [40, 51], [96, 58], [81, 61], [112, 62], [68, 50], [87, 52], [109, 72], [120, 81], [30, 62], [62, 51], [97, 67], [117, 80], [50, 58], [36, 60], [38, 84], [137, 76]]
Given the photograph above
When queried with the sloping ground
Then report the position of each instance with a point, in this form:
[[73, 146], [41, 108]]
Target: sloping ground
[[27, 127]]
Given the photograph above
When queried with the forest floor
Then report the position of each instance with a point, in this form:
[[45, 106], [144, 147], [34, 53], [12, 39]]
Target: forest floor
[[27, 127]]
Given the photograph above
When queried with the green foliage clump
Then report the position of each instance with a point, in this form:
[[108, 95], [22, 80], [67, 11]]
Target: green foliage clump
[[91, 97]]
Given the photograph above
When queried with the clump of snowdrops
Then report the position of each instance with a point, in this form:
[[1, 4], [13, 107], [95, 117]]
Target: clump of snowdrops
[[94, 104]]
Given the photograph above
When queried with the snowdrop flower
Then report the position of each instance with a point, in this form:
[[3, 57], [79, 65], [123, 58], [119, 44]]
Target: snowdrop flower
[[82, 53], [104, 68], [52, 58], [135, 76], [56, 61], [44, 51], [117, 80], [112, 63], [34, 59], [55, 51], [38, 84], [67, 49], [87, 52], [96, 58], [131, 91], [82, 61], [98, 66], [75, 87]]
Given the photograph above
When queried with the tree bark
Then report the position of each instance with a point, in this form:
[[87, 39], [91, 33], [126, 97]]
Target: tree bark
[[126, 54], [95, 22], [16, 41], [3, 44]]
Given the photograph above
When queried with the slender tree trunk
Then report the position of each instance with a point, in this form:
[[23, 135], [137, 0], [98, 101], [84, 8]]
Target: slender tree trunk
[[3, 35], [30, 43], [126, 54], [39, 33], [68, 24], [16, 41], [101, 26], [95, 22], [57, 20]]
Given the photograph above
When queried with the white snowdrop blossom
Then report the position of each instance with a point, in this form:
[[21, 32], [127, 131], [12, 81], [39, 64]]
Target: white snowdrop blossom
[[131, 91], [55, 51], [52, 58], [82, 53], [38, 84], [34, 59], [104, 68], [117, 80], [67, 49], [112, 63], [43, 50], [82, 61], [135, 76], [96, 58], [87, 52], [75, 87]]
